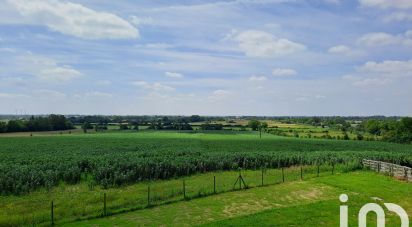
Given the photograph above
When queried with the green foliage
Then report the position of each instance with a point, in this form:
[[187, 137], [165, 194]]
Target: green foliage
[[124, 126], [50, 123], [254, 124], [166, 124], [373, 127], [208, 126], [86, 125], [3, 126], [114, 159]]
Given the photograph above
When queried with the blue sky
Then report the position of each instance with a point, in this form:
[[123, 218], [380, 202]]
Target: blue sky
[[239, 57]]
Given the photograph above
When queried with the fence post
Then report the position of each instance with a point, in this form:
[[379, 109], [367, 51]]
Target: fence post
[[318, 171], [283, 175], [333, 167], [301, 173], [184, 189], [240, 181], [214, 184], [148, 195], [104, 205], [379, 167], [262, 176], [52, 213]]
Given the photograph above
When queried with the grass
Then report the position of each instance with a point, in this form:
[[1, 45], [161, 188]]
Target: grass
[[80, 201], [302, 203]]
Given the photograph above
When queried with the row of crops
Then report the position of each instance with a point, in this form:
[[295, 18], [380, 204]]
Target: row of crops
[[27, 164]]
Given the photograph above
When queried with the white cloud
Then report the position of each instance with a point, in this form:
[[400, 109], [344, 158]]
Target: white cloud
[[97, 94], [141, 20], [389, 69], [221, 92], [380, 73], [257, 78], [219, 95], [400, 4], [279, 72], [153, 86], [59, 74], [340, 49], [382, 38], [343, 50], [74, 19], [398, 17], [370, 82], [42, 67], [174, 75], [13, 82], [12, 95], [45, 93], [7, 50], [256, 43]]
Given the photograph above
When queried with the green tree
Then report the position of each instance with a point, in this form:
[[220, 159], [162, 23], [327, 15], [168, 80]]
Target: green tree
[[86, 125], [254, 124], [3, 126], [124, 126], [373, 126], [16, 126]]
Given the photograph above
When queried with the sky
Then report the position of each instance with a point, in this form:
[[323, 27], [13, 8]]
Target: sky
[[217, 57]]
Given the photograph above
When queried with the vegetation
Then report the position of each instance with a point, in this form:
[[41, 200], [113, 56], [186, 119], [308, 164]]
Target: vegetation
[[166, 124], [85, 200], [114, 159], [33, 124], [313, 202]]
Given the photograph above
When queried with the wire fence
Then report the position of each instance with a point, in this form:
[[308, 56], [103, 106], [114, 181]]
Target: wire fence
[[92, 204]]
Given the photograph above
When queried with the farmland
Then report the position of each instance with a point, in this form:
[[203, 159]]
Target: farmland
[[115, 159], [76, 169]]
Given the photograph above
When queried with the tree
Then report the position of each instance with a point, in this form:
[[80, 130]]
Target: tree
[[254, 124], [15, 126], [208, 126], [195, 118], [124, 126], [135, 125], [345, 136], [3, 126], [373, 127], [86, 125], [264, 125]]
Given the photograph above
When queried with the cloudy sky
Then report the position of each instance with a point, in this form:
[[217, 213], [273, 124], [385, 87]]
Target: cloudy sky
[[238, 57]]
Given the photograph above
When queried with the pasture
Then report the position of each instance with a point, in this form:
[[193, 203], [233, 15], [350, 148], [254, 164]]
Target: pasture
[[313, 202]]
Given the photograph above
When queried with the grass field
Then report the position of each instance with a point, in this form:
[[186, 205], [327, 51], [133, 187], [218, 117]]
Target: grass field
[[79, 201], [313, 202]]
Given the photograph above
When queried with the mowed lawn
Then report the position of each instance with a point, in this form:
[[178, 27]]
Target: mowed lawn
[[314, 202]]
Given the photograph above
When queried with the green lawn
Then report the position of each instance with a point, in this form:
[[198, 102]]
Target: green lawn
[[303, 203]]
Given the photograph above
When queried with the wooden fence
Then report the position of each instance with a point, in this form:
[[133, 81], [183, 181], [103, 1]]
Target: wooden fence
[[390, 169]]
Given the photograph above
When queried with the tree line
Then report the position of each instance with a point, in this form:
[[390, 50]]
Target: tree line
[[34, 124], [398, 131]]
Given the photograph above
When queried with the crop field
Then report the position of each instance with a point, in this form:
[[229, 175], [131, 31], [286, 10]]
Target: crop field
[[76, 169], [114, 159]]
